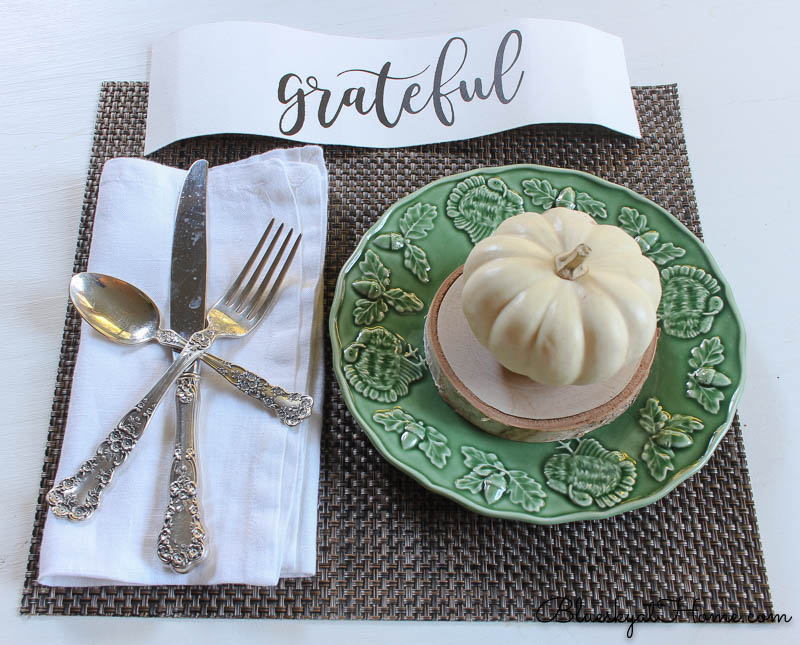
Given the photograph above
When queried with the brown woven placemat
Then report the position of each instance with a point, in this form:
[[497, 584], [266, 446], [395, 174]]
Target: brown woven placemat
[[388, 548]]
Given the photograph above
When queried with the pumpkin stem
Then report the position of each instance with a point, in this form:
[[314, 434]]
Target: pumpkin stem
[[570, 265]]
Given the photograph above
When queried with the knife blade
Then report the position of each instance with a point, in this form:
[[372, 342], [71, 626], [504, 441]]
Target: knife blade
[[187, 289], [182, 541]]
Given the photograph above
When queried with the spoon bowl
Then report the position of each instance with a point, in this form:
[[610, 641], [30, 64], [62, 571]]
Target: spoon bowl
[[115, 308]]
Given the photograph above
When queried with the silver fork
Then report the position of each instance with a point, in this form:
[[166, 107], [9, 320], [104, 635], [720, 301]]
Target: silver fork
[[237, 313]]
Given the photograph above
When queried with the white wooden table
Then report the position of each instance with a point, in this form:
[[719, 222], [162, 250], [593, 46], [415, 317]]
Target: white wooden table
[[736, 64]]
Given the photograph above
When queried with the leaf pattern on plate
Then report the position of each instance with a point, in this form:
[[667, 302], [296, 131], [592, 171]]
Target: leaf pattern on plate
[[591, 473], [704, 382], [544, 194], [415, 434], [415, 224], [635, 224], [378, 297], [489, 476], [666, 432]]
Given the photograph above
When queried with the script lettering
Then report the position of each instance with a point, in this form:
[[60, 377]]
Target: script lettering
[[296, 93]]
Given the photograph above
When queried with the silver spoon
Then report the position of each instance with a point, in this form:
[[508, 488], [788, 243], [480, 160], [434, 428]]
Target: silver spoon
[[123, 313]]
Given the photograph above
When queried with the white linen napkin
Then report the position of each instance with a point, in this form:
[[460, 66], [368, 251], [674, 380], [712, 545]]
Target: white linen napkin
[[258, 478]]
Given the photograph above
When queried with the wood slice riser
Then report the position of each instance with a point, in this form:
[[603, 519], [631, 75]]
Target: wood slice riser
[[519, 428]]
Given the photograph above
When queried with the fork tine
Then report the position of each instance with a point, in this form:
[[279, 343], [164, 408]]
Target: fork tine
[[237, 283], [259, 310], [259, 292], [243, 298]]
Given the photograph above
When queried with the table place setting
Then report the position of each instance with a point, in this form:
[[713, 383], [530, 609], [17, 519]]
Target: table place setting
[[474, 345], [250, 515]]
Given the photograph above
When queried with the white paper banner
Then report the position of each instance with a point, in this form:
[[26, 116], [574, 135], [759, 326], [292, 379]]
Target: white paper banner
[[256, 78]]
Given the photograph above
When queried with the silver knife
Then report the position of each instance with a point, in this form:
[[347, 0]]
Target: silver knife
[[182, 541]]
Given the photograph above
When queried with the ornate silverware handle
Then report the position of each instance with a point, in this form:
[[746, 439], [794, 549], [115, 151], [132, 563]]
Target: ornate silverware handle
[[290, 407], [78, 497], [182, 541]]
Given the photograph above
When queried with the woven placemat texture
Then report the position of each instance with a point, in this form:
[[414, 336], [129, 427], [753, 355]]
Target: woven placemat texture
[[388, 548]]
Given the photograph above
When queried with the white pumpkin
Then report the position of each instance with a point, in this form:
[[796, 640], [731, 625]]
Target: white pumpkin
[[561, 299]]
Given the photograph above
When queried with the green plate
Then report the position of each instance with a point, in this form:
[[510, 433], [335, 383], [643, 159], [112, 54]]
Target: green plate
[[376, 325]]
